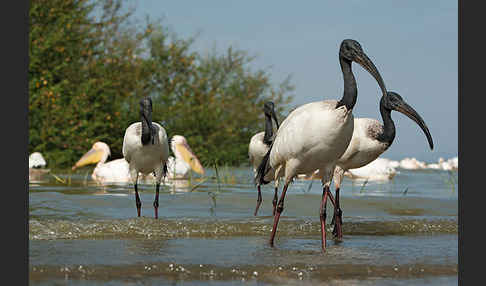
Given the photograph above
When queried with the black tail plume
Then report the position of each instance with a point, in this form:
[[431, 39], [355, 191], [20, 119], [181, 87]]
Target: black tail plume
[[263, 169]]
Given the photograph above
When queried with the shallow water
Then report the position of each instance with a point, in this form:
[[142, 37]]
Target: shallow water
[[402, 232]]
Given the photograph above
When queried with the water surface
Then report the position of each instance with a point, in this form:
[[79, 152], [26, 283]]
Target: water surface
[[402, 232]]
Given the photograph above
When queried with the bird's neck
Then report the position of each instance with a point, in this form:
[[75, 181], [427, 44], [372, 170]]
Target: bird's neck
[[350, 89], [146, 131], [388, 134], [178, 155], [267, 138], [103, 159]]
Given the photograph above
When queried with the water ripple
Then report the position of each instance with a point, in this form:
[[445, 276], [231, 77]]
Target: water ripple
[[144, 227]]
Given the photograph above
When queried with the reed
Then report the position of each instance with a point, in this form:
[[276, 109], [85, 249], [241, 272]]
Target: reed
[[62, 181], [363, 186], [450, 180]]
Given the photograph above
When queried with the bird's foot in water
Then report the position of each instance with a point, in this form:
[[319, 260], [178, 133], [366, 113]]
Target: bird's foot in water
[[337, 221], [259, 201], [156, 209]]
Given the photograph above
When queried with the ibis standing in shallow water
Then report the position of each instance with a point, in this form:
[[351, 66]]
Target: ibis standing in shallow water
[[146, 149], [370, 139], [117, 170], [258, 147], [315, 135]]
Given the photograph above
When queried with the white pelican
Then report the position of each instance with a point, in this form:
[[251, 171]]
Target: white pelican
[[178, 167], [146, 150], [104, 172], [370, 139], [258, 147], [37, 163], [315, 135]]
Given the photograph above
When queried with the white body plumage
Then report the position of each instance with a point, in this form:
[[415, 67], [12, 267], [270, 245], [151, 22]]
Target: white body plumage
[[145, 158]]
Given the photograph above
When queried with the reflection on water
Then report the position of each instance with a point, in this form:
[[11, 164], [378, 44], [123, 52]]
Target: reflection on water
[[402, 232]]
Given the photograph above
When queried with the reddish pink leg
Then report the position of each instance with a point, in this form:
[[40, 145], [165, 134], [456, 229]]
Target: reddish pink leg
[[322, 216], [280, 207]]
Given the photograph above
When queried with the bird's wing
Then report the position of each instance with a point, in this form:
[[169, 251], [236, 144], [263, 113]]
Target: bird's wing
[[132, 140], [162, 139]]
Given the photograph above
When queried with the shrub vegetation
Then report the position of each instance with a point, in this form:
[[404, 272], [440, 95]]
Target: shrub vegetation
[[91, 62]]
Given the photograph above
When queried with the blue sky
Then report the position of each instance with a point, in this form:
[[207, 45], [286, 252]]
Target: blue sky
[[412, 43]]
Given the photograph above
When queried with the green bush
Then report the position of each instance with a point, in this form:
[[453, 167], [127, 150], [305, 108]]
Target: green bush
[[90, 64]]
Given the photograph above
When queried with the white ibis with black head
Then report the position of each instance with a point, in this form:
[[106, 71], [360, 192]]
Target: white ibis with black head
[[370, 139], [146, 149], [315, 135], [258, 147]]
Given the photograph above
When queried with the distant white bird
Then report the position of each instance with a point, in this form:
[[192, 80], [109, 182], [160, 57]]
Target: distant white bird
[[434, 166], [146, 150], [381, 169], [37, 163], [258, 147], [393, 163], [450, 165], [315, 135], [454, 162], [445, 165], [377, 170], [179, 167], [412, 164], [36, 160]]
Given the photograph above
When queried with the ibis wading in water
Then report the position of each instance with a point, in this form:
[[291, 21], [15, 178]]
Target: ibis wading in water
[[258, 147], [315, 135], [370, 139], [146, 149]]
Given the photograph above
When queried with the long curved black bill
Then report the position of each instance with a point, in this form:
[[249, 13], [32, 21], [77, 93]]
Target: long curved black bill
[[406, 109], [368, 65]]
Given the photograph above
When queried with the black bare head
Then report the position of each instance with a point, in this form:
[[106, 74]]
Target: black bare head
[[351, 51], [393, 101], [268, 107], [148, 130]]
